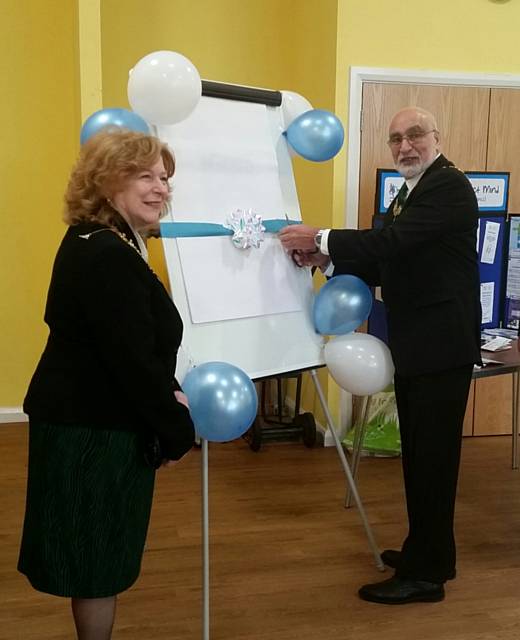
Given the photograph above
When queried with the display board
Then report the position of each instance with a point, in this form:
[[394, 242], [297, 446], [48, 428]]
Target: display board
[[249, 307], [512, 283]]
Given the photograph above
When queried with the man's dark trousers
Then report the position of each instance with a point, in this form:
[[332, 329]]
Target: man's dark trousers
[[431, 410]]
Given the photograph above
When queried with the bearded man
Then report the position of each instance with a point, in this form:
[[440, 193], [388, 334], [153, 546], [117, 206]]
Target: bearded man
[[425, 260]]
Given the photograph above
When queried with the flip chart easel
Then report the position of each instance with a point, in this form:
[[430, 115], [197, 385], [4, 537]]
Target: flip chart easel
[[262, 344]]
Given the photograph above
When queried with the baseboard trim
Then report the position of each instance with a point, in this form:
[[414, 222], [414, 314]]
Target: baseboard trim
[[12, 414]]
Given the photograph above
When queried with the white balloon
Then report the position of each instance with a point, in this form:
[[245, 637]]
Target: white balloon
[[293, 105], [359, 363], [164, 87]]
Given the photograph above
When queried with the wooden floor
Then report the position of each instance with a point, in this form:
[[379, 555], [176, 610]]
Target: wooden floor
[[286, 557]]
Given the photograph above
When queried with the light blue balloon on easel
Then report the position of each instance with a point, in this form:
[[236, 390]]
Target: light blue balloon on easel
[[223, 400], [112, 117], [316, 135], [341, 305]]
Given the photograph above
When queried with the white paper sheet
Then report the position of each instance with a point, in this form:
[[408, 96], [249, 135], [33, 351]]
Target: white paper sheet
[[391, 189], [513, 279], [490, 192], [514, 238], [243, 284], [489, 245], [226, 161], [487, 295]]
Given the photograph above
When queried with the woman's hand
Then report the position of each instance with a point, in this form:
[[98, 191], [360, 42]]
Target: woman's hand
[[181, 398], [169, 463]]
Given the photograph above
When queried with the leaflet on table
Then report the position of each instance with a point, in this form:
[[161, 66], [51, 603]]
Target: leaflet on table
[[487, 334], [498, 343]]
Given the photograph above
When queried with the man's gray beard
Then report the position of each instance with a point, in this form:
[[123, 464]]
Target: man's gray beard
[[410, 171]]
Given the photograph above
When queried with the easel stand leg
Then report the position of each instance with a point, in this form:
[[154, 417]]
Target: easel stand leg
[[359, 436], [348, 473], [205, 542]]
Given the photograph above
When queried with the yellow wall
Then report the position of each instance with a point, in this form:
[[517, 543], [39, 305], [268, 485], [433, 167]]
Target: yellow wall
[[39, 123], [272, 43], [277, 44], [302, 45]]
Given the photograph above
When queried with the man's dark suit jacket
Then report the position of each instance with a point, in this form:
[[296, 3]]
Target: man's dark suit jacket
[[426, 262], [110, 358]]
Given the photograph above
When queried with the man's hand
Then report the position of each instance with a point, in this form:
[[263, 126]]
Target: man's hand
[[298, 237], [312, 259]]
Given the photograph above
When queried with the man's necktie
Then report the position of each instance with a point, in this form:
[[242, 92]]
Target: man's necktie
[[401, 198]]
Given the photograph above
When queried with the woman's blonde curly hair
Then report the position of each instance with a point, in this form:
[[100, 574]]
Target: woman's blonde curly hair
[[105, 162]]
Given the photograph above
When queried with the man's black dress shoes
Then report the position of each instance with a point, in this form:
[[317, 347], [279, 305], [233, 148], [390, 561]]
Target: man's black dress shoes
[[401, 591], [391, 558]]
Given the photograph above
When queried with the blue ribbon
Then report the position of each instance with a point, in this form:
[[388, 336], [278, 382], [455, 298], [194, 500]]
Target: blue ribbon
[[204, 229]]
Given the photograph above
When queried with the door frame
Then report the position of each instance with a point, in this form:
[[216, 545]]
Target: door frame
[[359, 75]]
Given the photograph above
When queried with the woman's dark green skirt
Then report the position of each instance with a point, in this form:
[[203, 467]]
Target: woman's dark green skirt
[[89, 496]]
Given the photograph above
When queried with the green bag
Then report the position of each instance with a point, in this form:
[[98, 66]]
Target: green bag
[[382, 436]]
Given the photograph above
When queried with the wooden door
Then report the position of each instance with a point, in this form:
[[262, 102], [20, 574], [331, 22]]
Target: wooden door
[[504, 140]]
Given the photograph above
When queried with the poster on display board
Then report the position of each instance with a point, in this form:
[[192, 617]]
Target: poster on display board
[[491, 189], [512, 293]]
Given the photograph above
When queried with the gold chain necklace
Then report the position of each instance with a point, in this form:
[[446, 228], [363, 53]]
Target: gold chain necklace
[[124, 238], [122, 235]]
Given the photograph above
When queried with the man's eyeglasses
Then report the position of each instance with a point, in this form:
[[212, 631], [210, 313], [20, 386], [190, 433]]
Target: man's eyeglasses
[[396, 140]]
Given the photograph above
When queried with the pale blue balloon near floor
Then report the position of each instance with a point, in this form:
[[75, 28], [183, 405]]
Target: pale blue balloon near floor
[[223, 400], [341, 305], [112, 117], [316, 135]]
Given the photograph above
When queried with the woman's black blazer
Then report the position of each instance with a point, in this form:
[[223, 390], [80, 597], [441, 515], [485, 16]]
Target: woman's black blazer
[[114, 334]]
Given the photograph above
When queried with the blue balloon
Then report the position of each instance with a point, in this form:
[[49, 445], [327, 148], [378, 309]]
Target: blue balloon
[[341, 305], [112, 117], [316, 135], [223, 400]]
